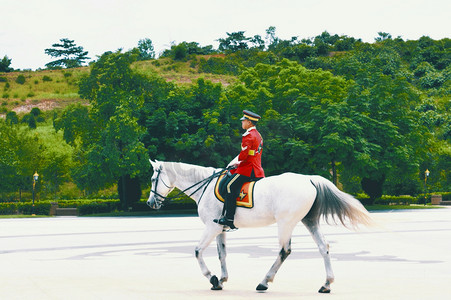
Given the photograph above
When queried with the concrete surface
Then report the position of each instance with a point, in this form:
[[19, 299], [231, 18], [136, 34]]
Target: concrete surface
[[407, 256]]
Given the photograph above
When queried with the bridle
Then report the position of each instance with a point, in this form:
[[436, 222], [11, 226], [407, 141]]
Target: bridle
[[159, 199]]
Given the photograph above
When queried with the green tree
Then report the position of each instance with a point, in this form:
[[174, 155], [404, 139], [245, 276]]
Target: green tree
[[30, 120], [271, 39], [185, 123], [185, 49], [110, 148], [306, 124], [71, 55], [20, 155], [12, 118], [4, 64], [234, 42], [146, 49], [384, 100], [382, 36]]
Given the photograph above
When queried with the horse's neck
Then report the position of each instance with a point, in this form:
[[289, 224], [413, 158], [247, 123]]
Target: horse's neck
[[187, 175]]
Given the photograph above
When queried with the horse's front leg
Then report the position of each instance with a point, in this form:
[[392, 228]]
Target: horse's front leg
[[209, 234], [222, 254]]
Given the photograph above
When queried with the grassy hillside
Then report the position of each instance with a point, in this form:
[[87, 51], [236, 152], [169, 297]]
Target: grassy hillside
[[50, 89]]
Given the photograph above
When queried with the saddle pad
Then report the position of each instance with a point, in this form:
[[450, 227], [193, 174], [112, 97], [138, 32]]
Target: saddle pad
[[245, 199]]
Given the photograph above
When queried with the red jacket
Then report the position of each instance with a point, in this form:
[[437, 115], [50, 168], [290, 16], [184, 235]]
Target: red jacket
[[250, 155]]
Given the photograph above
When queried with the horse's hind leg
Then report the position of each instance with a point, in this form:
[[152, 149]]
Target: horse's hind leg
[[323, 247], [285, 233], [222, 254], [209, 234]]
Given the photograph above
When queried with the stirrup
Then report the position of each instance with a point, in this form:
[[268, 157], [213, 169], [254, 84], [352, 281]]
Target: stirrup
[[226, 222]]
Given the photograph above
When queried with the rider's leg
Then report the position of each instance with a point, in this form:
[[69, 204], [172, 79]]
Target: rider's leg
[[233, 188]]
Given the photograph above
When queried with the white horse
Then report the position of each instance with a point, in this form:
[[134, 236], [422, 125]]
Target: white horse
[[286, 199]]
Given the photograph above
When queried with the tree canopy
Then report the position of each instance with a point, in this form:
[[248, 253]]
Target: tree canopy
[[71, 55]]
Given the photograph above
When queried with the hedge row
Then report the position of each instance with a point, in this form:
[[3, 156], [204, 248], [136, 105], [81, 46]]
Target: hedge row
[[90, 206], [85, 207], [397, 200], [99, 207], [25, 208], [403, 200]]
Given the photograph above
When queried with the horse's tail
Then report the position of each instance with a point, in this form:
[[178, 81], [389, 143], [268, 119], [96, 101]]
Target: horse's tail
[[332, 203]]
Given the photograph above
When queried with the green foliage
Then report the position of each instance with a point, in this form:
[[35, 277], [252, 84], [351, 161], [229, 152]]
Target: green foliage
[[234, 42], [12, 118], [96, 207], [184, 50], [23, 152], [71, 55], [85, 207], [46, 78], [5, 64], [146, 49], [188, 125], [30, 120], [397, 200], [218, 65], [20, 79], [108, 135]]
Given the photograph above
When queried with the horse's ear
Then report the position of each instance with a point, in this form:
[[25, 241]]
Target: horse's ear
[[152, 163]]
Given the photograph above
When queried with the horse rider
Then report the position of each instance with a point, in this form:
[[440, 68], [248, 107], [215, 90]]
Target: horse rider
[[247, 166]]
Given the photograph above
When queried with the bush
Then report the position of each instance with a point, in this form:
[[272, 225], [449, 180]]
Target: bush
[[25, 208], [3, 79], [389, 200], [392, 200], [216, 65], [87, 206], [8, 208], [30, 120], [20, 79], [11, 118], [35, 111], [93, 208], [46, 78]]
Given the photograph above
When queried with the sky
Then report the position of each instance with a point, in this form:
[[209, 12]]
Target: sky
[[28, 27]]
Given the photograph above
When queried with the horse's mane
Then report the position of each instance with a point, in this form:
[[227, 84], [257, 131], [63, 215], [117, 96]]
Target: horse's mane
[[184, 169]]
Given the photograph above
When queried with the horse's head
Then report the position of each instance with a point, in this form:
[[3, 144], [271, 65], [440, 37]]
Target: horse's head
[[161, 185]]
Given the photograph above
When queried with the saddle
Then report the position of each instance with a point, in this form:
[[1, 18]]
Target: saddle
[[245, 198]]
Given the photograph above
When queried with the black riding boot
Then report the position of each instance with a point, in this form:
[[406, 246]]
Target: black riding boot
[[230, 207]]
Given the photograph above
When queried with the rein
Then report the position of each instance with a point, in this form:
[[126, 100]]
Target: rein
[[203, 183]]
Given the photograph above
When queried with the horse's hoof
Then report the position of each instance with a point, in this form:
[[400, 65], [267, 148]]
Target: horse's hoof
[[215, 282], [324, 290], [262, 287]]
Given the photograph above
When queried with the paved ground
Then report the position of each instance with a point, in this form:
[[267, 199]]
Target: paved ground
[[408, 256]]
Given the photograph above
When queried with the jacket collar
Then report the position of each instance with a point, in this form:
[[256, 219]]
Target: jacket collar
[[247, 131]]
